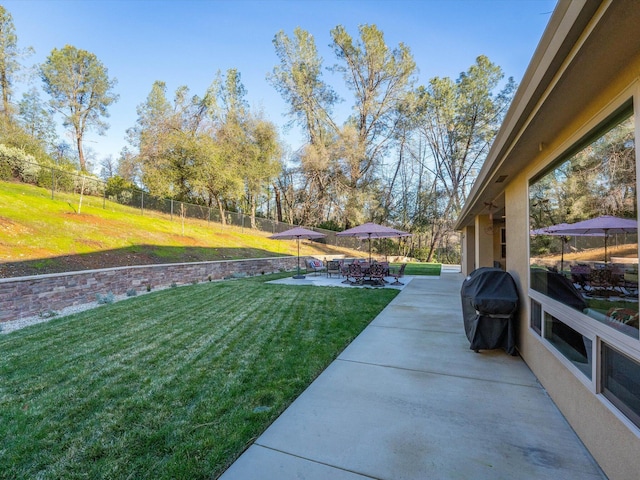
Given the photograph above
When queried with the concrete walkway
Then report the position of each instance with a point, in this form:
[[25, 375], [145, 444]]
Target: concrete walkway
[[409, 400]]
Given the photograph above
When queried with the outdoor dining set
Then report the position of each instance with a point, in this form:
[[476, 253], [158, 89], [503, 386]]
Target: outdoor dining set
[[362, 272], [605, 279], [356, 272]]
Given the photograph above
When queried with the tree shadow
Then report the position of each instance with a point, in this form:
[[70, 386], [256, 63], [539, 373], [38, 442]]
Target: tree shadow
[[129, 256]]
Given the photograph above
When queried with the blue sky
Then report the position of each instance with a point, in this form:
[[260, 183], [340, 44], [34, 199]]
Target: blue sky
[[185, 42]]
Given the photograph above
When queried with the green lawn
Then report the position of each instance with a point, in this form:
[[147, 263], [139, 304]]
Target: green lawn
[[171, 384], [420, 268]]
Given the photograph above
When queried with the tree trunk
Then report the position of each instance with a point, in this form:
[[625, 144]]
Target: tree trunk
[[223, 219], [253, 211], [81, 195], [83, 165], [278, 201], [5, 93]]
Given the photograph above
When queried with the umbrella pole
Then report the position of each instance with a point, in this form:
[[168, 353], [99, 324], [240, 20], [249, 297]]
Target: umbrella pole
[[298, 275]]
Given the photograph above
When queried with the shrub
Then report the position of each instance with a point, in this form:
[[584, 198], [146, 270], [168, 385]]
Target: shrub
[[105, 299], [117, 185], [92, 185], [15, 163], [132, 292], [63, 173]]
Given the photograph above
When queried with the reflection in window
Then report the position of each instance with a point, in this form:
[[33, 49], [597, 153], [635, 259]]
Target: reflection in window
[[574, 346], [593, 270], [621, 382]]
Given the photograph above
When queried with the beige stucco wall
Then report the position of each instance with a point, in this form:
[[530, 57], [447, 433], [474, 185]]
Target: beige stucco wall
[[497, 245], [484, 241], [614, 444], [468, 240]]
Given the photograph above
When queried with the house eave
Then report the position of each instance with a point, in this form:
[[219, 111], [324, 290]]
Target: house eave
[[576, 45]]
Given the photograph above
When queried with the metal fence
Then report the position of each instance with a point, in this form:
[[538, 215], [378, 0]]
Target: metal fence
[[62, 181]]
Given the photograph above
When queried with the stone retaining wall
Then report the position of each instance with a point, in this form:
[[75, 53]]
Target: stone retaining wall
[[27, 296]]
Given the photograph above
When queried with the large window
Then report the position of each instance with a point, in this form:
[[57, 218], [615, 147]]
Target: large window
[[584, 254], [594, 266]]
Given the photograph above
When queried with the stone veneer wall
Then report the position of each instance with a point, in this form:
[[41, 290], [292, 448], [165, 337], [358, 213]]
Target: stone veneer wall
[[27, 296]]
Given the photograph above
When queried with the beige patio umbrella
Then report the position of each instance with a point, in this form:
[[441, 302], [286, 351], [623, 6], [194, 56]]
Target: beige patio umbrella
[[604, 226], [297, 233], [372, 230]]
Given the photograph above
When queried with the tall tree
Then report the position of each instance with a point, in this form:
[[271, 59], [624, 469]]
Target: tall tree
[[36, 119], [157, 122], [80, 89], [262, 165], [298, 78], [341, 162], [458, 121], [379, 78], [246, 151], [224, 164], [9, 58]]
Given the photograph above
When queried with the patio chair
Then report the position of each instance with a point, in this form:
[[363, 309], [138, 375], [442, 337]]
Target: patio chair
[[356, 273], [580, 274], [333, 268], [398, 274], [600, 282], [315, 266], [344, 271], [376, 274], [385, 266]]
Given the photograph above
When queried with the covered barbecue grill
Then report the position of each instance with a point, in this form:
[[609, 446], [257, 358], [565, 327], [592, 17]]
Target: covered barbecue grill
[[489, 304]]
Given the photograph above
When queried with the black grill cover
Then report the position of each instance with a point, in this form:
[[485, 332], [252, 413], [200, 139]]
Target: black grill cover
[[489, 304], [558, 287]]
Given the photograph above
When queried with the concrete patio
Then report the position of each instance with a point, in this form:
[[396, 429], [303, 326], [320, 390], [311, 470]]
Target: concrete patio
[[408, 400]]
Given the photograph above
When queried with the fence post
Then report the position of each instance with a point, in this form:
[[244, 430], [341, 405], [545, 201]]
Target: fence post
[[141, 202], [172, 209]]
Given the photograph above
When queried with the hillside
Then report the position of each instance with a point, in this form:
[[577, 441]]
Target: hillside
[[39, 235]]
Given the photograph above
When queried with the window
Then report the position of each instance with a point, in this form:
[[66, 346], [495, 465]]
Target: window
[[574, 346], [621, 382], [503, 243], [593, 269]]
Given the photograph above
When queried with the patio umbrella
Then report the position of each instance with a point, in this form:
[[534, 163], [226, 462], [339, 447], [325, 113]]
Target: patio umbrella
[[372, 230], [557, 230], [297, 233], [605, 225]]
